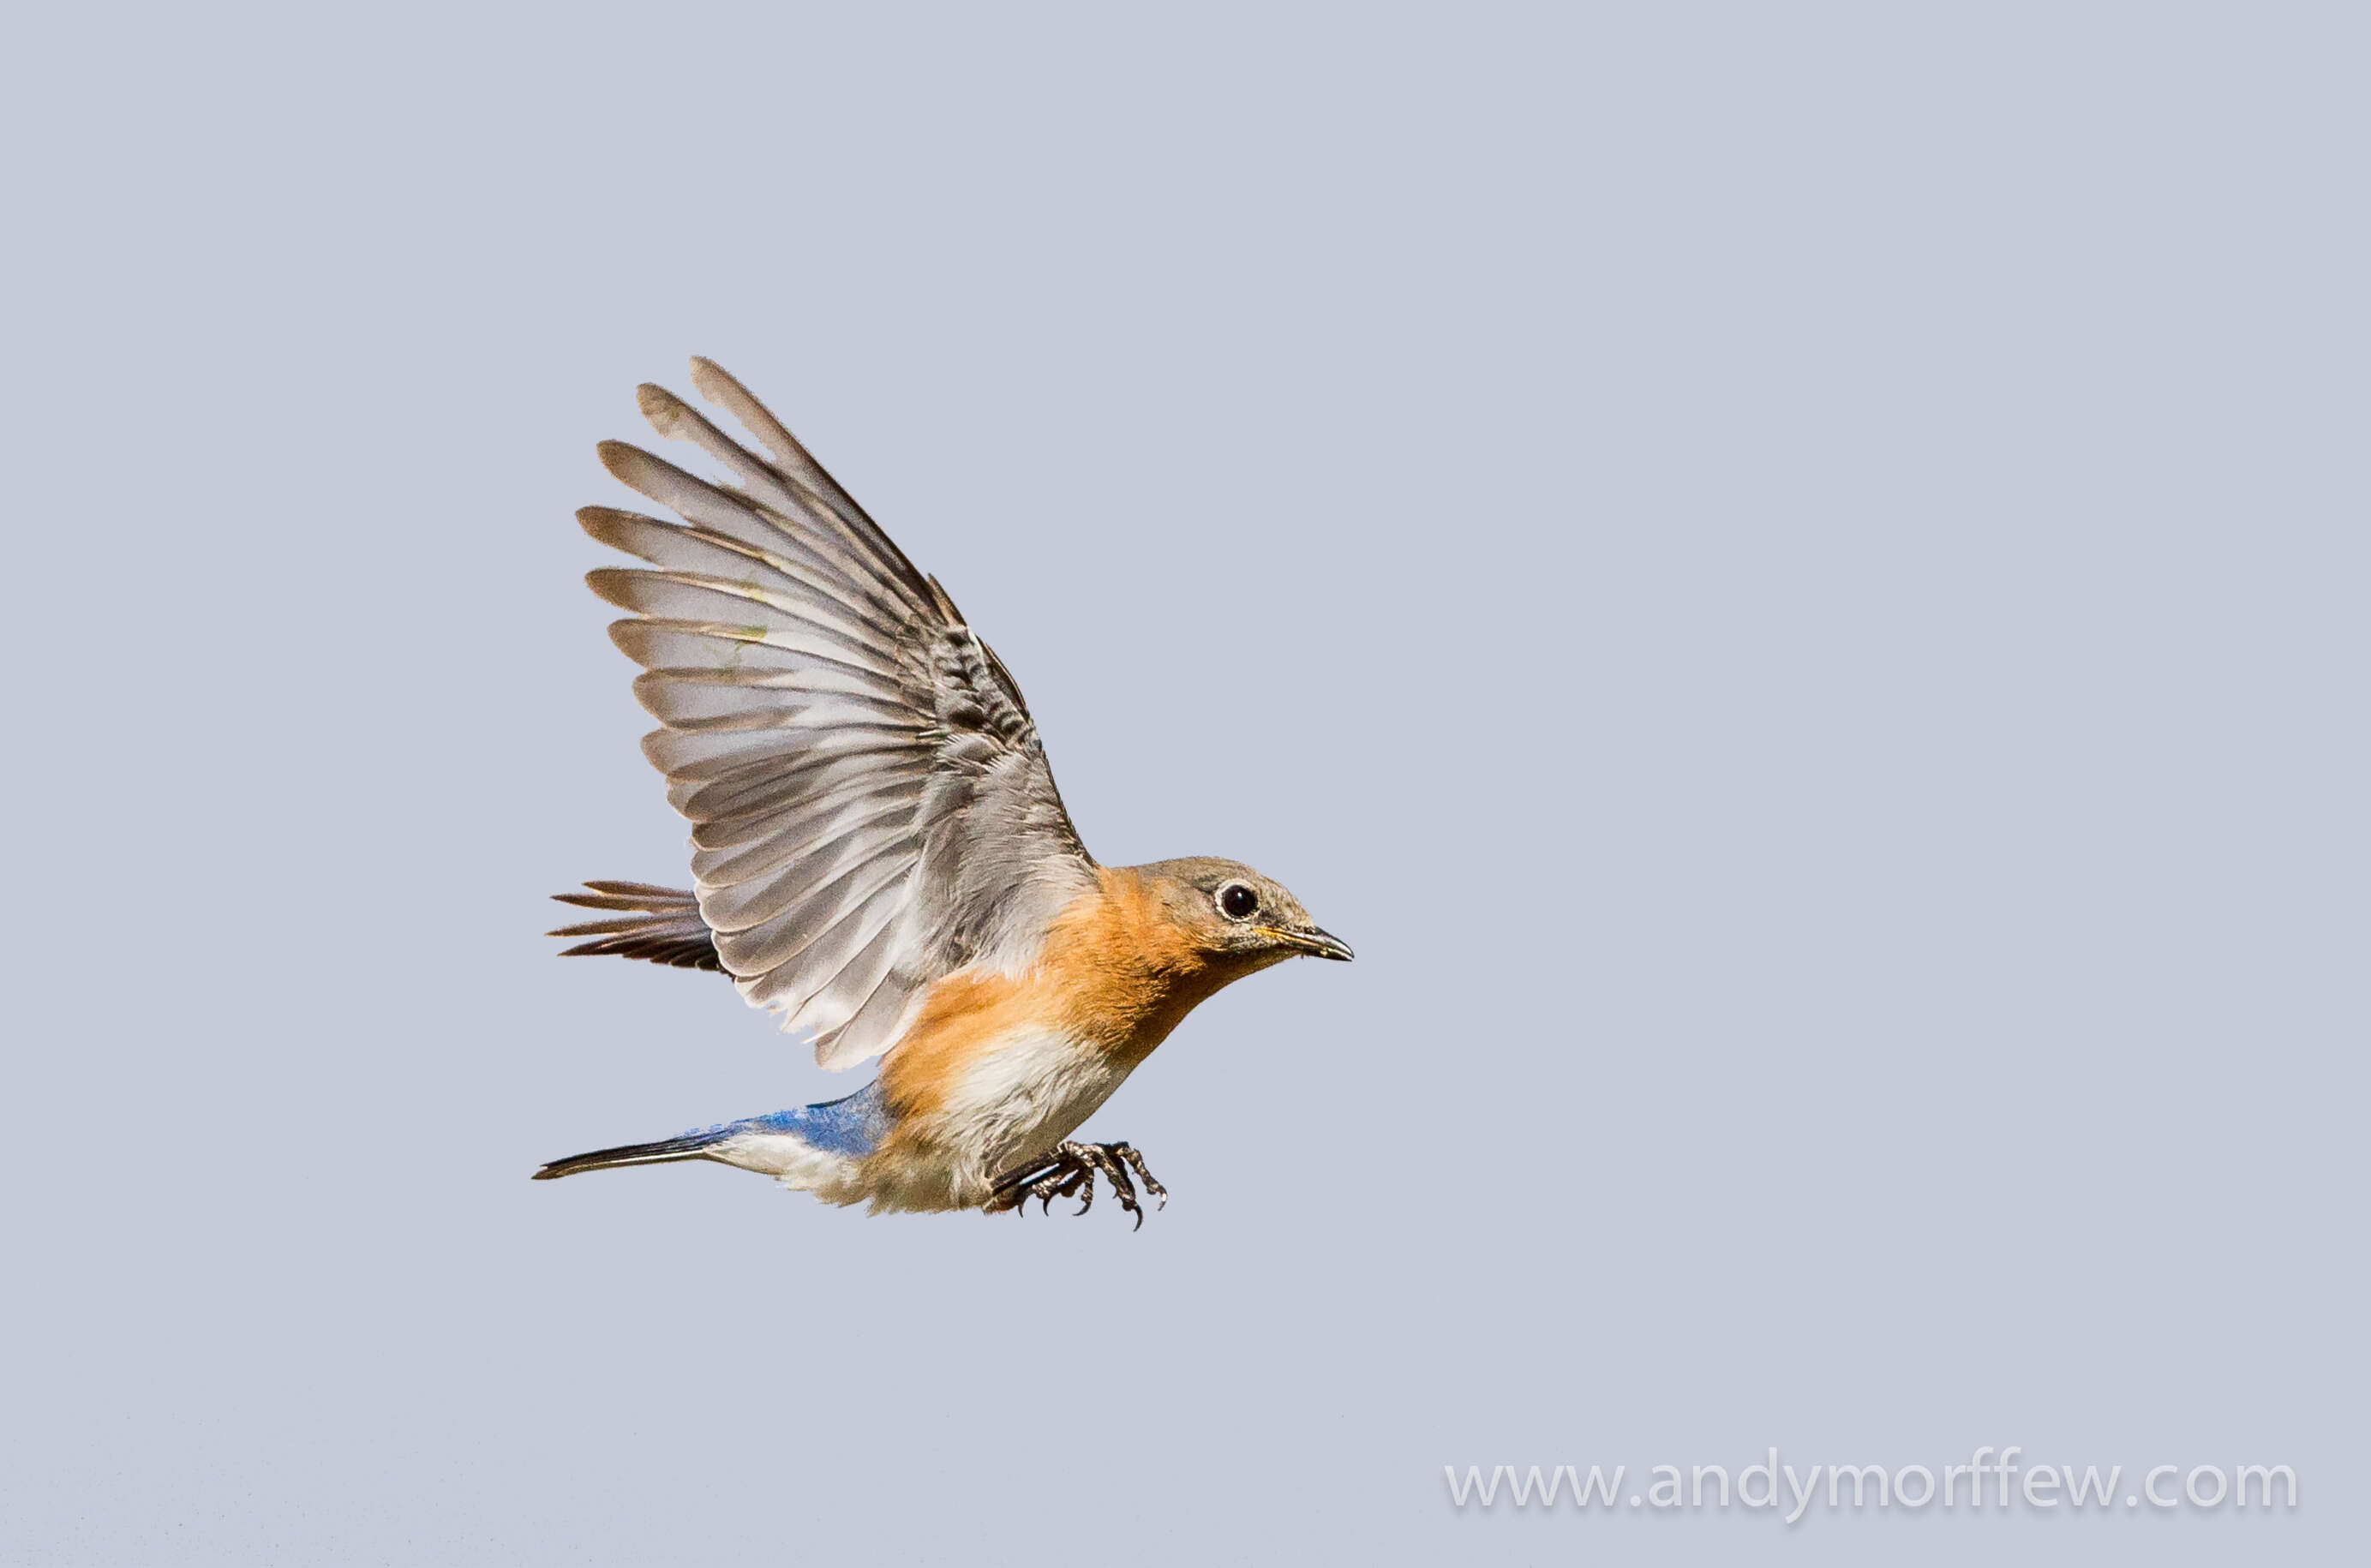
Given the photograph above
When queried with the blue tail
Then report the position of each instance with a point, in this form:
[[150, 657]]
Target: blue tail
[[852, 1126]]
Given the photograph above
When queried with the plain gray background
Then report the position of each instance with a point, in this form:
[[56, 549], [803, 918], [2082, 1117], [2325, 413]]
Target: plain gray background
[[1794, 580]]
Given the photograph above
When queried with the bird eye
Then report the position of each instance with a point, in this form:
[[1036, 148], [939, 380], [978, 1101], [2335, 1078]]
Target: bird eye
[[1237, 902]]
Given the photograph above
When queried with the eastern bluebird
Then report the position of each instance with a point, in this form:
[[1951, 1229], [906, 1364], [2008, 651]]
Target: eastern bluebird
[[879, 851]]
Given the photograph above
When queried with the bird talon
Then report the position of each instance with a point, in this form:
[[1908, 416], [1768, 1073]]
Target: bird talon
[[1135, 1162], [1068, 1170]]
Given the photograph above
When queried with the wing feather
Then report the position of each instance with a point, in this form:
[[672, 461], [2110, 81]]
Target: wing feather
[[881, 1017], [767, 616], [749, 881], [871, 806], [707, 553], [821, 537], [722, 808], [792, 462], [844, 533], [771, 943]]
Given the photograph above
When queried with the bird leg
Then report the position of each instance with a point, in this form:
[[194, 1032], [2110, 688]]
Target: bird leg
[[1069, 1170]]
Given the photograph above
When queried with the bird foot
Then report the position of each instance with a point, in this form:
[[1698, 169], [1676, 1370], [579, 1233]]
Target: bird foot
[[1067, 1170]]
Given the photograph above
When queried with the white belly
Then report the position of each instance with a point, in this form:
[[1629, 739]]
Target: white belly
[[1008, 1105]]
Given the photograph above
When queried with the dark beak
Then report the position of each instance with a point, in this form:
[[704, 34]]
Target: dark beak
[[1317, 943]]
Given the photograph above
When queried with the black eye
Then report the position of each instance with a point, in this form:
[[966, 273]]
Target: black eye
[[1237, 902]]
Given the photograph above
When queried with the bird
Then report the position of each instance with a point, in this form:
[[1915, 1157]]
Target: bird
[[879, 852]]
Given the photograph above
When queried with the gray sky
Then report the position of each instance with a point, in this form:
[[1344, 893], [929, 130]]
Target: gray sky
[[1794, 584]]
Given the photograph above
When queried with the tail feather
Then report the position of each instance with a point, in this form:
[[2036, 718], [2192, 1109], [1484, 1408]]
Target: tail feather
[[661, 924], [690, 1145], [799, 1148]]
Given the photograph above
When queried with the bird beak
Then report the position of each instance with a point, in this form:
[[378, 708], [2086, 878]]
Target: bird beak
[[1317, 943]]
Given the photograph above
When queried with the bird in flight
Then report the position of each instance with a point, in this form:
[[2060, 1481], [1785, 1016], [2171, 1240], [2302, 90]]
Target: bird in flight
[[879, 852]]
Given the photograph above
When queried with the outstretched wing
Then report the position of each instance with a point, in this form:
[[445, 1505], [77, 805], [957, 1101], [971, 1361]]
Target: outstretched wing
[[870, 808]]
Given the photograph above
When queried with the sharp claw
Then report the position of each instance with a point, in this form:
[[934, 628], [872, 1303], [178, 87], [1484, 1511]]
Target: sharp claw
[[1115, 1167], [1068, 1170], [1136, 1162]]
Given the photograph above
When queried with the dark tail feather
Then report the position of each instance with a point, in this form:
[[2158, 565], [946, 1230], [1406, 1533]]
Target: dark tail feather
[[691, 1146], [661, 924]]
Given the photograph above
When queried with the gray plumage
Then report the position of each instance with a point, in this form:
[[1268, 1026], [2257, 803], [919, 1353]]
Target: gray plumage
[[871, 807]]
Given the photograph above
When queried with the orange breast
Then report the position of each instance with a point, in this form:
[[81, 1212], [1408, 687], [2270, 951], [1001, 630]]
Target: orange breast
[[1116, 973]]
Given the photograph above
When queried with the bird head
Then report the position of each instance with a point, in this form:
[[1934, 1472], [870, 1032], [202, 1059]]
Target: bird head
[[1240, 919]]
